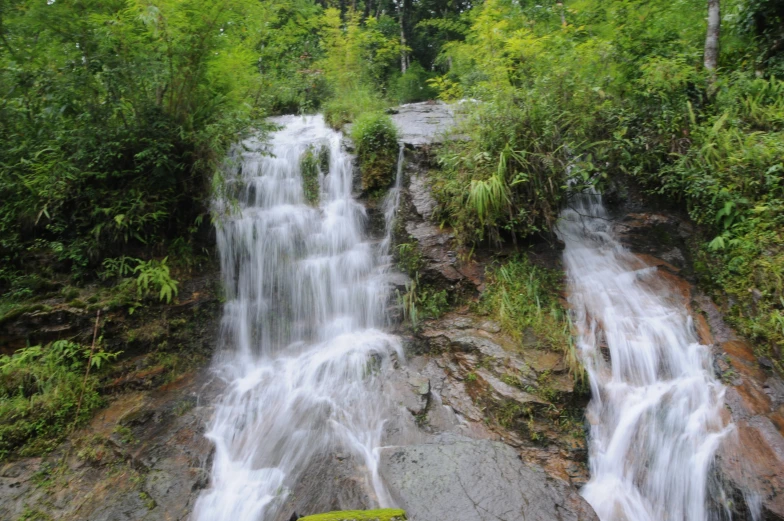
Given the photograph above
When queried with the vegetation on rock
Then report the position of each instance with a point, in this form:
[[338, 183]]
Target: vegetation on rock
[[524, 298], [115, 117], [44, 390], [313, 164], [577, 94], [375, 137], [383, 514]]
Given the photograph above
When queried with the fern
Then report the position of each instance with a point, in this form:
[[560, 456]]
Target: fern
[[154, 276]]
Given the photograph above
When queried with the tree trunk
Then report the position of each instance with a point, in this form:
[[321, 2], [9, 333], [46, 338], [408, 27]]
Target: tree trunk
[[561, 10], [403, 52], [712, 36]]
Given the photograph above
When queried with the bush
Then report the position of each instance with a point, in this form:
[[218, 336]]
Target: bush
[[357, 58], [507, 180], [347, 105], [412, 86], [107, 163], [375, 137]]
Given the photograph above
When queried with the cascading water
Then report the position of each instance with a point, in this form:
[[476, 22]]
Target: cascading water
[[302, 353], [655, 412]]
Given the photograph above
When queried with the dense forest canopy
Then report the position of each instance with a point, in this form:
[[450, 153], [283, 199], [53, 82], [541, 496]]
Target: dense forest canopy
[[116, 117]]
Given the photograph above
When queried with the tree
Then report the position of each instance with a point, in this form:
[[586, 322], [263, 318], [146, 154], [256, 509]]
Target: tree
[[712, 35]]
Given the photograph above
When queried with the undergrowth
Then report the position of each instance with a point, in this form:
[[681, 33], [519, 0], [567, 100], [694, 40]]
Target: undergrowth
[[45, 392]]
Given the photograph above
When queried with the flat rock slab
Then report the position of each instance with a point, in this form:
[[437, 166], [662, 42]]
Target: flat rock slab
[[423, 123], [476, 480]]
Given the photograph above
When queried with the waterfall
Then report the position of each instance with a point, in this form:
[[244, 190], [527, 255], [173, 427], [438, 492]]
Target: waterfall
[[655, 413], [301, 350]]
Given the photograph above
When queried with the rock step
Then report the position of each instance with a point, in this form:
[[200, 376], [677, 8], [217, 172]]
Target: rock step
[[476, 480]]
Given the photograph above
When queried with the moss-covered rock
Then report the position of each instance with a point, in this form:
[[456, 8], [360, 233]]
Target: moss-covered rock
[[375, 136], [383, 514]]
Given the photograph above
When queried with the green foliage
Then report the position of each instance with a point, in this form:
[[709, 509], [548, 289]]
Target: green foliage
[[288, 49], [40, 388], [375, 138], [422, 302], [115, 116], [763, 21], [136, 279], [409, 259], [525, 300], [357, 57], [575, 95], [33, 514], [93, 448], [507, 180], [125, 434], [118, 267], [412, 86], [729, 177], [551, 82], [153, 275]]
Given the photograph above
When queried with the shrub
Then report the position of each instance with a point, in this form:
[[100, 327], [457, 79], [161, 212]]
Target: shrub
[[413, 85], [509, 177], [375, 137], [346, 106], [107, 162], [154, 276]]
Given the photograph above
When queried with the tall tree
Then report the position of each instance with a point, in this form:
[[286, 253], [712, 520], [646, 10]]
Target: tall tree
[[403, 12], [712, 36]]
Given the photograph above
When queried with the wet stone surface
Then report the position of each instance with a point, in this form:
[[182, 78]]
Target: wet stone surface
[[476, 480]]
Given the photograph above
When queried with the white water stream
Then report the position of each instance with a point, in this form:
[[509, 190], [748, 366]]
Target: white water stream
[[302, 351], [655, 412]]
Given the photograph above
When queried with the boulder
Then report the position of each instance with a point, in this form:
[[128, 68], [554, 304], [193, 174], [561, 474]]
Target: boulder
[[476, 480], [423, 123]]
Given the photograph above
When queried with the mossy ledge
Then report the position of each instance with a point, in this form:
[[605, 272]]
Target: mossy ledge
[[383, 514]]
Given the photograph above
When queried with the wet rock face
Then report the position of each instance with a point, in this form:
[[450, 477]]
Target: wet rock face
[[331, 482], [501, 389], [483, 384], [751, 459], [476, 480], [145, 457], [651, 228]]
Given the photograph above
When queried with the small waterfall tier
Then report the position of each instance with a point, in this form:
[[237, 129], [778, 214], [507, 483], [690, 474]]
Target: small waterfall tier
[[655, 411], [301, 351]]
